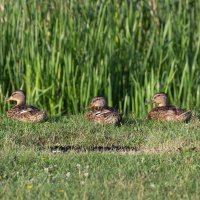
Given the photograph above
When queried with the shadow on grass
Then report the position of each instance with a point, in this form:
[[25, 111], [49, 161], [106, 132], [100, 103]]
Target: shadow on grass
[[55, 149], [95, 149]]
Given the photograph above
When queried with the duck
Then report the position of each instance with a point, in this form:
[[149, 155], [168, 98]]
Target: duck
[[23, 112], [101, 113], [165, 112]]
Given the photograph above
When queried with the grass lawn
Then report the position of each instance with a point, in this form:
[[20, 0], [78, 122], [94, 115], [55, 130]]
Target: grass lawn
[[163, 164]]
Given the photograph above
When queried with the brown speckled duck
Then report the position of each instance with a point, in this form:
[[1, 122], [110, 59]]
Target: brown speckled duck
[[23, 112], [101, 112], [165, 112]]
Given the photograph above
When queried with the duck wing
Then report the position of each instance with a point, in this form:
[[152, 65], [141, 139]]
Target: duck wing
[[106, 115], [28, 109]]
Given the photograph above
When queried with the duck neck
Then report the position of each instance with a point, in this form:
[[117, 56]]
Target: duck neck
[[100, 107], [21, 101], [163, 103]]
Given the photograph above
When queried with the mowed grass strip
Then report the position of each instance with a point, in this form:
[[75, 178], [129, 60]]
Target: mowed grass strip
[[63, 53], [36, 175], [76, 131], [166, 165]]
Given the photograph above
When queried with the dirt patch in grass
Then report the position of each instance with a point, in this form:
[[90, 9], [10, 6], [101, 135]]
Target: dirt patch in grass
[[169, 148]]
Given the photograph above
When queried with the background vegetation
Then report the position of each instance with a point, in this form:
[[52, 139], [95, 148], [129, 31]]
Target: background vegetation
[[65, 52]]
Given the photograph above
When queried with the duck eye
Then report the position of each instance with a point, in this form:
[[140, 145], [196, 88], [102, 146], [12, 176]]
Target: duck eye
[[13, 94], [95, 100], [156, 96]]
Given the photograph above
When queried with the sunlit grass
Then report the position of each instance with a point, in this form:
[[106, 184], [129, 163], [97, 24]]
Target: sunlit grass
[[166, 165]]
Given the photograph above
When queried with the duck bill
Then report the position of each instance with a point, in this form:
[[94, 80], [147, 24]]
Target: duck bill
[[149, 102], [8, 99], [90, 106]]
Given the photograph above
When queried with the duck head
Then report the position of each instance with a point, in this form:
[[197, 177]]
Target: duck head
[[18, 96], [159, 98], [97, 102]]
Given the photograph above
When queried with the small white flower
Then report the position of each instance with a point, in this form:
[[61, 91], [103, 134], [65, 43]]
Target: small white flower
[[68, 174], [78, 165], [86, 174], [46, 169], [2, 7], [152, 185], [82, 182]]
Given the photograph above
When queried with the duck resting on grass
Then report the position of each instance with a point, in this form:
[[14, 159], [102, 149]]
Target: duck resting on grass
[[23, 112], [101, 112], [165, 112]]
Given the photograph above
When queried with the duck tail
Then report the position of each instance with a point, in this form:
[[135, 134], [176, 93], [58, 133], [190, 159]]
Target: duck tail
[[185, 117], [41, 117]]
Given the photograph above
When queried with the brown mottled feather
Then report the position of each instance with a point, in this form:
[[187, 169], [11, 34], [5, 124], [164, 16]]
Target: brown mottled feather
[[26, 113], [169, 113], [105, 115]]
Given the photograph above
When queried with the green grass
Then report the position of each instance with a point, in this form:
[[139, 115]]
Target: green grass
[[64, 52], [166, 165]]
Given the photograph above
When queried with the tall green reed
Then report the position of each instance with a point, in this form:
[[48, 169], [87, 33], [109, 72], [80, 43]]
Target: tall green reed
[[65, 52]]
